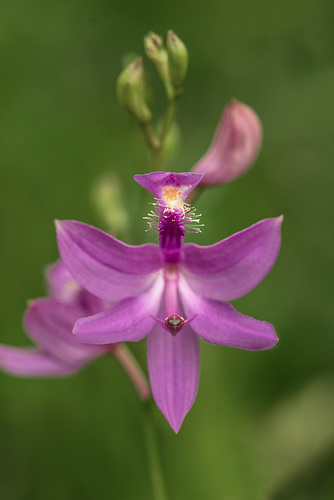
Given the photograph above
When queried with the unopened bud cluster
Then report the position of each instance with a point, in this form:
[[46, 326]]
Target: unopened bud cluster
[[238, 137], [171, 63]]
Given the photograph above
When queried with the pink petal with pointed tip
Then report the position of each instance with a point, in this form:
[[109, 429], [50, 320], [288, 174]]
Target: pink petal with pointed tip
[[173, 365], [26, 362], [128, 320], [234, 266], [220, 324], [103, 265]]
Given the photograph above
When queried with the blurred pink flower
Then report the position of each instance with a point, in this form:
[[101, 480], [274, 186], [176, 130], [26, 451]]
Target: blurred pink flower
[[235, 146], [49, 323]]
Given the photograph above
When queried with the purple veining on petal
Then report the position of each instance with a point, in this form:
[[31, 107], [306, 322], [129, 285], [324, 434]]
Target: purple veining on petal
[[173, 365], [128, 320], [234, 266], [103, 265], [220, 324]]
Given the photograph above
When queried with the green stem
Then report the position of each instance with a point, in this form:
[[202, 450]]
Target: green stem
[[169, 117], [155, 143], [157, 161], [152, 140], [168, 120], [139, 381], [157, 480]]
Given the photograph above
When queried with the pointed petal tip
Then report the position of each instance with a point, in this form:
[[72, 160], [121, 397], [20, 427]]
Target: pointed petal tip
[[268, 341], [175, 426], [61, 224], [173, 366], [276, 222], [175, 419], [275, 340], [75, 331], [34, 304]]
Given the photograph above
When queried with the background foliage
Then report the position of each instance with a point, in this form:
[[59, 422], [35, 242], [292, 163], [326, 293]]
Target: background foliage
[[262, 424]]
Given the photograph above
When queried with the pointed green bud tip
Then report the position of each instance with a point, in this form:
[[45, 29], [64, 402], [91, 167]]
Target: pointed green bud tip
[[153, 46], [156, 52], [177, 60], [130, 89]]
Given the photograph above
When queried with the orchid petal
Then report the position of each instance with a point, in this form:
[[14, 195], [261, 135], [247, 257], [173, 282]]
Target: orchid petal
[[234, 266], [103, 265], [220, 324], [60, 283], [29, 362], [63, 287], [156, 181], [235, 146], [128, 320], [173, 365], [50, 323]]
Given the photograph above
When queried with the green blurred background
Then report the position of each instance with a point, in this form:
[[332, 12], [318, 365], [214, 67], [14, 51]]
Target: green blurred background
[[262, 426]]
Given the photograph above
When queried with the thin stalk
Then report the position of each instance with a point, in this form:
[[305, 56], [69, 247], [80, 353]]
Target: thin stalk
[[133, 370], [152, 140], [137, 377], [156, 144], [157, 158], [154, 463], [169, 118]]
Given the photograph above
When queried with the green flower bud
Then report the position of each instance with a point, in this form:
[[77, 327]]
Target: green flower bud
[[177, 60], [157, 54], [130, 89], [153, 46]]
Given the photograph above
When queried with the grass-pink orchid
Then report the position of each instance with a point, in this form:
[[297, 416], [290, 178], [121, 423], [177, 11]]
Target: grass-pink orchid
[[49, 323], [173, 293]]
